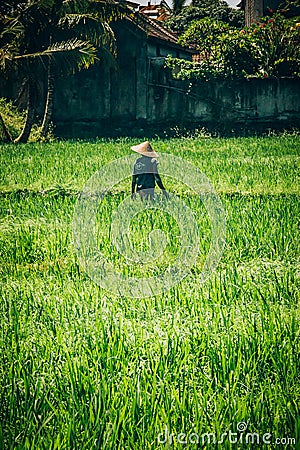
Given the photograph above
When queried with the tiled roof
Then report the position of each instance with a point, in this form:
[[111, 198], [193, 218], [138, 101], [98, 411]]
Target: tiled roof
[[157, 12], [154, 29]]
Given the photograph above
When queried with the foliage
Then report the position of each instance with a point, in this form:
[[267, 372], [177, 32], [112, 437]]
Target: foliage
[[71, 34], [223, 51], [215, 9], [81, 368], [14, 118], [276, 46], [66, 31], [204, 34], [268, 48]]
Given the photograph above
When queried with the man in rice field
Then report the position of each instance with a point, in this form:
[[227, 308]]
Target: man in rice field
[[145, 172]]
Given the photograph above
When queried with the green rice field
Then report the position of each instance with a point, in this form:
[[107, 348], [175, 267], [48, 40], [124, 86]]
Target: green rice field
[[200, 366]]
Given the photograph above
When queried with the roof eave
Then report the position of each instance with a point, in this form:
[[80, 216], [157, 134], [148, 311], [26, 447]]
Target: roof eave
[[171, 44]]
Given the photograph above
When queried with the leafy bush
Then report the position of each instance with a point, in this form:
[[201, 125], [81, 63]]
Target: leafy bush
[[215, 9], [12, 117], [268, 48], [13, 120], [276, 46]]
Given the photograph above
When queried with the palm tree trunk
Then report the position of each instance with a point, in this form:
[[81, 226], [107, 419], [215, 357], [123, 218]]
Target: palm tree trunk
[[49, 101], [6, 134], [25, 133]]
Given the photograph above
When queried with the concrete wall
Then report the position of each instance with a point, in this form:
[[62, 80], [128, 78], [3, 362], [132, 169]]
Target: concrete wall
[[107, 96], [114, 98], [269, 102], [140, 97]]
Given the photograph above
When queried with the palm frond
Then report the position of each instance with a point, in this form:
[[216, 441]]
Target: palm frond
[[9, 48], [109, 11], [7, 7], [105, 10], [10, 28], [71, 20], [6, 58], [34, 12], [108, 40], [72, 54], [89, 28]]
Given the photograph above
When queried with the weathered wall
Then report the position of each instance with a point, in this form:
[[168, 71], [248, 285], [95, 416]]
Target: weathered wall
[[228, 103], [108, 95], [141, 96], [138, 96], [113, 97]]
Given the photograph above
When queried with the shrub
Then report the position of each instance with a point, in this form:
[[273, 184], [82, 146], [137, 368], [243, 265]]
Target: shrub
[[13, 120], [268, 48]]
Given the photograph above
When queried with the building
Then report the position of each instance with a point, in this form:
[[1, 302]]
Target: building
[[115, 94], [160, 11], [135, 95]]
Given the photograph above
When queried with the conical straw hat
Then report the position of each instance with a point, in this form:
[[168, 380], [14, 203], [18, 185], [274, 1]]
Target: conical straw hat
[[145, 149]]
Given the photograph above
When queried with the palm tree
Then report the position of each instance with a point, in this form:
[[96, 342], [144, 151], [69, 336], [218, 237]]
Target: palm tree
[[90, 21], [37, 36], [9, 30]]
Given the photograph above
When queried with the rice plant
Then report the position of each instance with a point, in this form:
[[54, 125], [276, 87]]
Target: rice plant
[[82, 368]]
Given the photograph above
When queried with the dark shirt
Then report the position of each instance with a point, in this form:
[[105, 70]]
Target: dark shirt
[[145, 174]]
